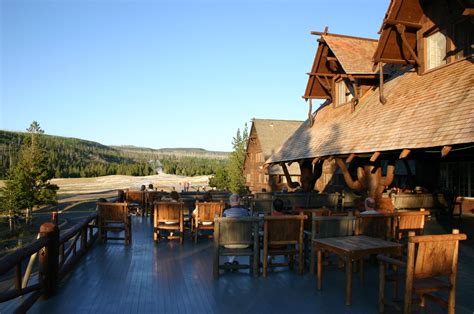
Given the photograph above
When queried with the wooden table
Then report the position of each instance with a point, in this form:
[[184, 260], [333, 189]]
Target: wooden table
[[352, 248]]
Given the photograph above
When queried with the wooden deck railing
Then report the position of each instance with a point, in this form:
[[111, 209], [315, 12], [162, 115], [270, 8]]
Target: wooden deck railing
[[57, 256]]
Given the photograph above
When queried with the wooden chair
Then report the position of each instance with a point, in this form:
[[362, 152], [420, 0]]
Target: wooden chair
[[150, 198], [329, 227], [114, 217], [236, 237], [374, 225], [283, 235], [168, 216], [406, 221], [136, 200], [204, 217], [431, 267]]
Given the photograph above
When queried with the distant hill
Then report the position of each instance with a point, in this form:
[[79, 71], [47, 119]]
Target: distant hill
[[184, 152], [72, 157]]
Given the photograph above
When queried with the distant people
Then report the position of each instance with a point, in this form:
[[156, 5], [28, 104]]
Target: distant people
[[143, 188], [369, 205], [150, 188]]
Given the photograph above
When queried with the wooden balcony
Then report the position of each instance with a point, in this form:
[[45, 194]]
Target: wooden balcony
[[167, 277]]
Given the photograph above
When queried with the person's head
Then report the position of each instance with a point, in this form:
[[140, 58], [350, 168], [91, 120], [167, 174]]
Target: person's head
[[234, 200], [278, 205], [150, 186], [207, 197], [174, 195], [369, 203], [120, 195], [143, 187]]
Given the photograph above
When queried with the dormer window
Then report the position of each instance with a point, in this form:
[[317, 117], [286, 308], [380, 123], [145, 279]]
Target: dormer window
[[435, 50], [344, 92]]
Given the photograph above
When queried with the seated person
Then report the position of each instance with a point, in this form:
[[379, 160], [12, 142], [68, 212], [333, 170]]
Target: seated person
[[235, 211], [120, 196], [150, 188], [369, 205], [278, 207]]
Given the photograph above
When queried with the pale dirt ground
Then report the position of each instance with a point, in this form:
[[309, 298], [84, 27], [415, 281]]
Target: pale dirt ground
[[77, 189], [107, 183]]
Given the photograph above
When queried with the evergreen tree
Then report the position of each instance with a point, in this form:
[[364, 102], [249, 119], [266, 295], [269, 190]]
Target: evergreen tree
[[236, 162], [221, 179], [28, 183]]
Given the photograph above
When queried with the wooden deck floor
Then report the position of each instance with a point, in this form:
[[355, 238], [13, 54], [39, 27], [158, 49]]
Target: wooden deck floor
[[169, 278]]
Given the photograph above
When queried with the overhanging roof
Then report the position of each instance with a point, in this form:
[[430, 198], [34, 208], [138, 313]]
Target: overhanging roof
[[430, 110]]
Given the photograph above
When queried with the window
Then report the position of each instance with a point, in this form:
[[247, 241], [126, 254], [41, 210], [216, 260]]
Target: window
[[435, 50], [344, 92], [459, 177]]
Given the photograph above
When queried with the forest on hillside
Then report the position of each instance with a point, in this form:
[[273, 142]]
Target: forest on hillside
[[72, 158]]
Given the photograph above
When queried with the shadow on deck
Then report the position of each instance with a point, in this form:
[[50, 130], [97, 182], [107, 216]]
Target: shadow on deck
[[166, 277]]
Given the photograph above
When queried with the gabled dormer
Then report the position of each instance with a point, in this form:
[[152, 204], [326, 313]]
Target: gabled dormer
[[342, 70], [426, 34]]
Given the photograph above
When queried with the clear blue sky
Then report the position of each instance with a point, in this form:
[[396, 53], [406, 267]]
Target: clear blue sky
[[163, 73]]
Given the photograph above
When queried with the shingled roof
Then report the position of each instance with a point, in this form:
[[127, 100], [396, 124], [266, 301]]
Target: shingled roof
[[353, 53], [271, 135], [430, 110]]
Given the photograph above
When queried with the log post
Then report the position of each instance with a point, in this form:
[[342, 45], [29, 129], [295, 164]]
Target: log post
[[49, 257]]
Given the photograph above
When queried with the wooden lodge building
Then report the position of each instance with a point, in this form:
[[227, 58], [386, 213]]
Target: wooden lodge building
[[265, 137], [407, 98]]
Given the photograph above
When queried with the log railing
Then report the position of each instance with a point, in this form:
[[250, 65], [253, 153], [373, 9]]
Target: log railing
[[57, 256]]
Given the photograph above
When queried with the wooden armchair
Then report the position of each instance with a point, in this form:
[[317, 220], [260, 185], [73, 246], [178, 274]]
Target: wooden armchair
[[236, 237], [431, 267], [136, 201], [283, 235], [114, 217], [204, 217], [406, 221], [329, 227], [168, 216], [374, 225]]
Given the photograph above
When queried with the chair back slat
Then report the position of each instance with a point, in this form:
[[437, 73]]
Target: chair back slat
[[207, 211], [436, 255], [333, 226], [236, 230], [409, 221], [135, 196], [377, 226], [168, 212], [284, 229], [112, 211]]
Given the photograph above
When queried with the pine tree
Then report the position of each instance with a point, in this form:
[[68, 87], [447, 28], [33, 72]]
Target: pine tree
[[28, 183], [236, 162]]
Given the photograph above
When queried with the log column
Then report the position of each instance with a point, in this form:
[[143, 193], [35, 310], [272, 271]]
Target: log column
[[49, 259]]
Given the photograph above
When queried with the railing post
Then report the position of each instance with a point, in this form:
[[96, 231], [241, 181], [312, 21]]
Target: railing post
[[49, 258]]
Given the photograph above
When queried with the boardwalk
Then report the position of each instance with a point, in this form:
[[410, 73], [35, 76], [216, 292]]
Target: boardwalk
[[169, 278]]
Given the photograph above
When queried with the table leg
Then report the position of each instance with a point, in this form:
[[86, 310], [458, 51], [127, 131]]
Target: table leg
[[320, 268], [348, 281]]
